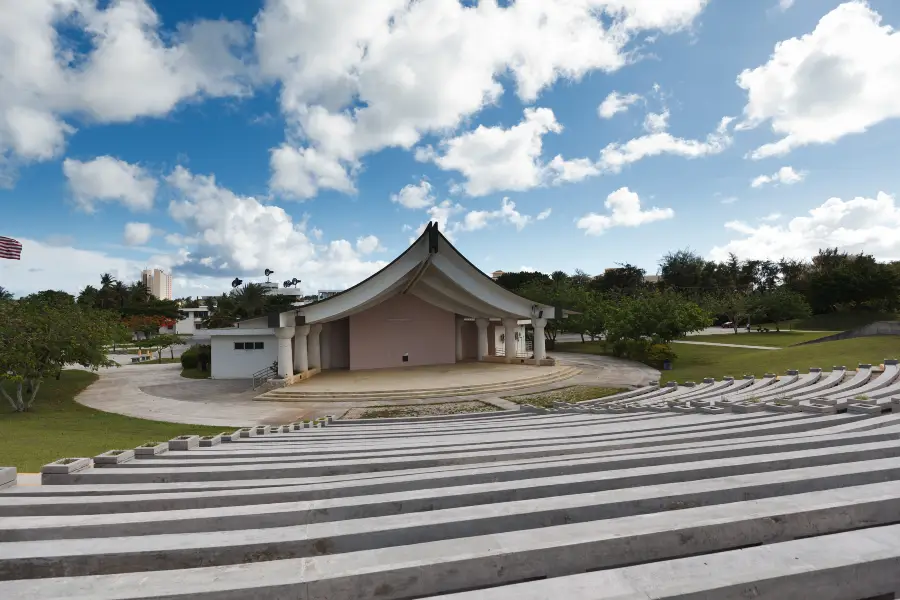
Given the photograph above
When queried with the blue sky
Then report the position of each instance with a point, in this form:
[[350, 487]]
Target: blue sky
[[316, 138]]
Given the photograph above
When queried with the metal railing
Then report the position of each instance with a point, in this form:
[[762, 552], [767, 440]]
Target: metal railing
[[263, 375]]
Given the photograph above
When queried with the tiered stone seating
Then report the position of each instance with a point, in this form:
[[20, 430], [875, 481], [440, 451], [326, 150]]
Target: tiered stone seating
[[567, 503]]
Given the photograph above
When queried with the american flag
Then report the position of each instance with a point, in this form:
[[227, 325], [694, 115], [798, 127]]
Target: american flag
[[10, 248]]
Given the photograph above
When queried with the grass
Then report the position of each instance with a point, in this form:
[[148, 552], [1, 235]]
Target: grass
[[840, 321], [195, 373], [422, 410], [576, 393], [696, 362], [57, 426], [780, 339]]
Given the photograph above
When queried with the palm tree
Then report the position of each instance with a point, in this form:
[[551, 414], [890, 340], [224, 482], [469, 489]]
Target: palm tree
[[250, 299], [120, 293], [139, 293], [89, 296], [5, 294], [107, 281]]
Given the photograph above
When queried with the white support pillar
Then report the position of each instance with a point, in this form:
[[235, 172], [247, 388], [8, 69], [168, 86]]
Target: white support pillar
[[482, 325], [285, 360], [301, 357], [540, 347], [459, 338], [315, 347], [510, 326]]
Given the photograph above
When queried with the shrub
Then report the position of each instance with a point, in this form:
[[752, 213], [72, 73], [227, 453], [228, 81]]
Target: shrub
[[189, 359], [659, 353]]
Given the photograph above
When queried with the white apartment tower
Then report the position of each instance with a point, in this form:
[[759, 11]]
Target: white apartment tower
[[158, 282]]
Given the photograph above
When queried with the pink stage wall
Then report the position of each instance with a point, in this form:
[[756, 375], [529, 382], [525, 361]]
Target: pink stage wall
[[381, 335]]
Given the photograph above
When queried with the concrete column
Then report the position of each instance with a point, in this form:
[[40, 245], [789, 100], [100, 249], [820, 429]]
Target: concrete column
[[540, 351], [482, 325], [315, 347], [301, 360], [510, 326], [459, 338], [285, 360]]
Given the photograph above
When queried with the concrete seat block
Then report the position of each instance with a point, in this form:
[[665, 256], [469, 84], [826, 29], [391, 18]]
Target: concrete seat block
[[248, 432], [747, 407], [865, 408], [208, 441], [184, 442], [780, 406], [114, 457], [7, 477], [826, 409], [151, 449], [712, 410], [64, 466]]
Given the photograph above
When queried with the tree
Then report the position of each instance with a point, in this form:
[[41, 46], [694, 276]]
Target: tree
[[733, 304], [38, 338], [5, 294], [634, 323], [514, 281], [161, 342], [682, 269], [626, 279], [779, 305]]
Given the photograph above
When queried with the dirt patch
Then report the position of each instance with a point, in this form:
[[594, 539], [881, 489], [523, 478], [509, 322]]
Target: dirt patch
[[418, 410], [576, 393]]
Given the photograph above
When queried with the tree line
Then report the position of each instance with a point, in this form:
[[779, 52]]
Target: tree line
[[638, 316]]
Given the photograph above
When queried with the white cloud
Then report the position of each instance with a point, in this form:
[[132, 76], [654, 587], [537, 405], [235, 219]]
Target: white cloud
[[357, 77], [65, 57], [238, 235], [771, 217], [625, 211], [560, 170], [784, 175], [368, 245], [479, 219], [783, 5], [414, 196], [544, 214], [841, 79], [615, 156], [616, 103], [108, 179], [137, 234], [729, 200], [301, 172], [656, 122], [870, 225]]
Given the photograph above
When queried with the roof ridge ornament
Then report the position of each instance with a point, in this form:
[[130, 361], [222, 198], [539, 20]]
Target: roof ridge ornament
[[433, 236]]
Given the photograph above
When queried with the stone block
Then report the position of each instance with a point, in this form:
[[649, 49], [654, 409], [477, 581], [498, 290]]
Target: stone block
[[184, 442], [680, 408], [151, 449], [793, 372], [64, 466], [747, 407], [114, 457], [207, 441], [779, 406], [712, 410], [7, 477], [825, 409], [864, 409], [699, 403], [891, 361], [261, 429], [286, 428]]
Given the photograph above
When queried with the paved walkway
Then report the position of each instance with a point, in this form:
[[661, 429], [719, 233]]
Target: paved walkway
[[159, 393], [726, 345]]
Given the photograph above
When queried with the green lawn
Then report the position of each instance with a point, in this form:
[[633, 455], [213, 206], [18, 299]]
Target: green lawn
[[59, 427], [839, 321], [773, 338], [696, 362]]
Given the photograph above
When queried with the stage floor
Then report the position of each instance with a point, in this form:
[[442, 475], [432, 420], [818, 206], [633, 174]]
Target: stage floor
[[460, 379]]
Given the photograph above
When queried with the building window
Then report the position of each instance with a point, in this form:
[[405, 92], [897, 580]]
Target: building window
[[249, 345]]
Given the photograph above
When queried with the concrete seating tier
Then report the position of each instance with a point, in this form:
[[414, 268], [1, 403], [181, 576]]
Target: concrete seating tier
[[524, 378], [488, 506]]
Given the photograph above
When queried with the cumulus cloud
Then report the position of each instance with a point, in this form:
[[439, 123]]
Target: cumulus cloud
[[238, 235], [615, 156], [106, 61], [616, 103], [842, 78], [415, 196], [368, 244], [870, 225], [358, 77], [784, 175], [624, 211], [544, 214], [108, 179], [137, 234], [507, 213]]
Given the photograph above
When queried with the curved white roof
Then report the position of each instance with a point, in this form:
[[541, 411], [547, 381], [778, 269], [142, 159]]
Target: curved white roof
[[434, 271]]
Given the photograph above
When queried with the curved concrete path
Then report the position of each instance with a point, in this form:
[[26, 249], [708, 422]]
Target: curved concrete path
[[159, 393]]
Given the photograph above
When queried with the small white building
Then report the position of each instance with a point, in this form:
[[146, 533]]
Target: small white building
[[190, 324]]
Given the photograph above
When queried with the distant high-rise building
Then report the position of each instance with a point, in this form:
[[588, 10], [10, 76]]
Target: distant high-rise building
[[158, 282]]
